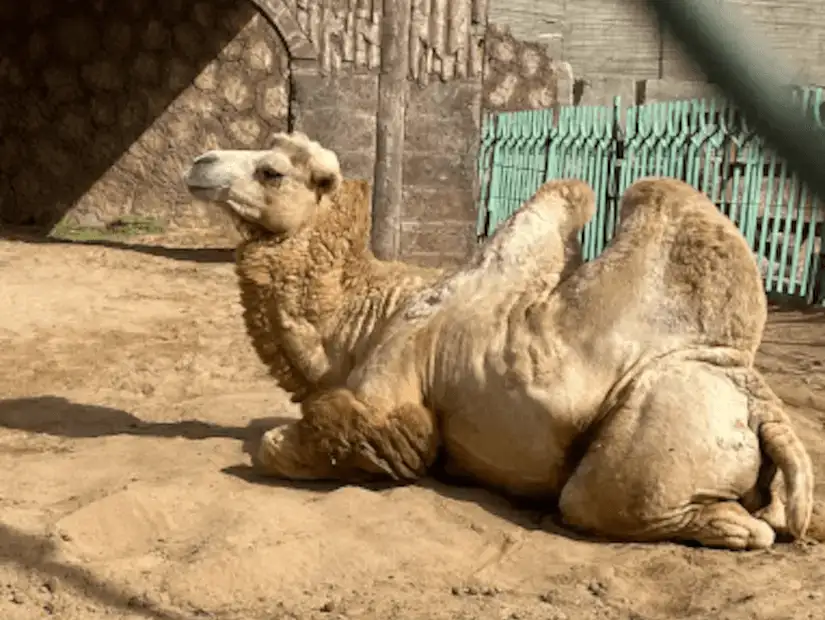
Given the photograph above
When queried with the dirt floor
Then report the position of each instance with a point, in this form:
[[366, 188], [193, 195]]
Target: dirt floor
[[128, 394]]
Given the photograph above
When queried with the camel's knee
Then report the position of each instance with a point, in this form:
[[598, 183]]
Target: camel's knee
[[401, 443], [577, 508]]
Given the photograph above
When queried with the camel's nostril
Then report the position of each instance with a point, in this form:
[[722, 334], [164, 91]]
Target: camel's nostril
[[206, 158]]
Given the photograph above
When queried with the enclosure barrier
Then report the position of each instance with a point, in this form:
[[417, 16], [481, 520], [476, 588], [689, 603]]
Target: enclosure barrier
[[706, 143]]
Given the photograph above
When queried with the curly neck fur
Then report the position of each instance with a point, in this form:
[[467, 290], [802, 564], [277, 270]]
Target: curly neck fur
[[304, 275]]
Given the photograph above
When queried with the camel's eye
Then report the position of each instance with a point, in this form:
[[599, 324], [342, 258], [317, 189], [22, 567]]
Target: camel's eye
[[269, 174]]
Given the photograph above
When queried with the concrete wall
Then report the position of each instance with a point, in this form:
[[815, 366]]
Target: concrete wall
[[439, 210]]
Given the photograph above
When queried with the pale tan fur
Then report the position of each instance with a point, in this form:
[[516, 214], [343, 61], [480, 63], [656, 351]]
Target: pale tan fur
[[625, 391], [312, 291]]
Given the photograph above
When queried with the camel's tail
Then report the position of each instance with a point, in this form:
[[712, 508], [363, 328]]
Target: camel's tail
[[784, 448]]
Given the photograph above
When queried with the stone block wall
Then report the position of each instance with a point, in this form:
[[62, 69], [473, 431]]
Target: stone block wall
[[105, 103], [441, 145], [521, 75], [614, 47], [339, 111], [336, 101]]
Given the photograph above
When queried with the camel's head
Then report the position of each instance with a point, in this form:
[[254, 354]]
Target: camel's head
[[271, 191]]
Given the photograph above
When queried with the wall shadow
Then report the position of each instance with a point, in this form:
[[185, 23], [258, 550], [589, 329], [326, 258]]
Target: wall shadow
[[85, 83], [209, 255], [34, 553]]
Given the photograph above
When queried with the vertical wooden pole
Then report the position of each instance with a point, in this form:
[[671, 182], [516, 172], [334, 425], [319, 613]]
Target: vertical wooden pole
[[389, 147]]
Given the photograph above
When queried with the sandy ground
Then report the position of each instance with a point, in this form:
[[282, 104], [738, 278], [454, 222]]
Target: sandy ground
[[128, 394]]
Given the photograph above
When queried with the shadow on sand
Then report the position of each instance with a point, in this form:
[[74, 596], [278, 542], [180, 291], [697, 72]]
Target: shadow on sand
[[51, 415], [193, 255], [59, 417], [35, 553]]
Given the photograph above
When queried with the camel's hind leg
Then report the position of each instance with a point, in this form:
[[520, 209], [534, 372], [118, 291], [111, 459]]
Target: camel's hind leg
[[633, 514], [340, 437], [672, 464], [642, 517], [728, 525]]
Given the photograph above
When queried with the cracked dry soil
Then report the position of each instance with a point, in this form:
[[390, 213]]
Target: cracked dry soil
[[128, 394]]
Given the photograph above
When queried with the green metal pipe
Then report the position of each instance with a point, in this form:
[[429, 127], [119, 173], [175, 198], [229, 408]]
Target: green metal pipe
[[731, 58]]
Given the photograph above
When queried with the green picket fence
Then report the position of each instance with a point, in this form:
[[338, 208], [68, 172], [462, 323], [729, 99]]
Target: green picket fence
[[703, 142]]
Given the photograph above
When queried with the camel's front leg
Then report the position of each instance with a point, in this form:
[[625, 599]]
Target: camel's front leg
[[340, 437], [303, 344]]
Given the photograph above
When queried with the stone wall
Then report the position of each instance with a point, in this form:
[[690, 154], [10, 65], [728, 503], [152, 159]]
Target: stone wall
[[336, 100], [439, 197], [105, 103], [521, 75], [614, 48], [442, 125], [339, 111]]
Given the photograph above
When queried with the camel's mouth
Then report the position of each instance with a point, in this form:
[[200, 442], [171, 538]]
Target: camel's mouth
[[208, 193], [247, 212]]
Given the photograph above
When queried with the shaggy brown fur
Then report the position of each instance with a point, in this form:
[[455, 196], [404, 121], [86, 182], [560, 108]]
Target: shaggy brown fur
[[625, 391], [312, 291]]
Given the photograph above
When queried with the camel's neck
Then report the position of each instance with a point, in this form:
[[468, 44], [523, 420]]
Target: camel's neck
[[307, 278], [315, 255]]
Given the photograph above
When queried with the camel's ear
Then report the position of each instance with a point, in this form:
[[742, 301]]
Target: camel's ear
[[322, 165], [324, 171]]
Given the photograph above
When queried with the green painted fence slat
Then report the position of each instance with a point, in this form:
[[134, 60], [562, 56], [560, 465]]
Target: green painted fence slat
[[705, 142]]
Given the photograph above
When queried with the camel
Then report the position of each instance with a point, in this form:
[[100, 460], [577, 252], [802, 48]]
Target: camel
[[624, 392], [312, 291]]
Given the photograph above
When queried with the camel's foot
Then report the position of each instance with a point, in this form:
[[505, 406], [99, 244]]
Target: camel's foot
[[283, 453], [727, 525]]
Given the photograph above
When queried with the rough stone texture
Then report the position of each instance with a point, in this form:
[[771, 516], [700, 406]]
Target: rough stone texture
[[105, 103], [601, 89], [518, 75], [668, 90], [446, 39], [445, 36], [439, 209], [339, 111], [617, 39], [792, 29]]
